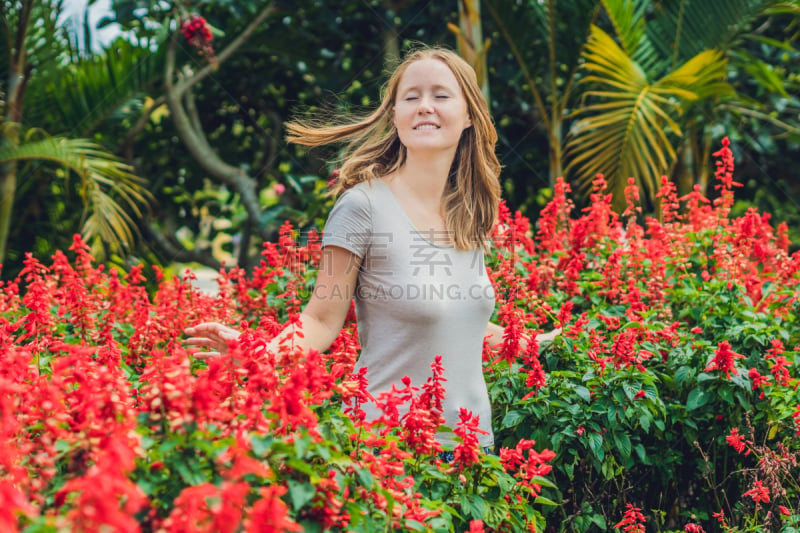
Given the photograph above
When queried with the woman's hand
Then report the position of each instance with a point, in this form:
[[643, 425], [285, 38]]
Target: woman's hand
[[549, 336], [211, 335]]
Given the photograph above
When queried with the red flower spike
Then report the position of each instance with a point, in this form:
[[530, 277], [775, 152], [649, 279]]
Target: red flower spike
[[694, 528], [737, 440], [759, 493], [723, 360], [467, 452], [633, 522]]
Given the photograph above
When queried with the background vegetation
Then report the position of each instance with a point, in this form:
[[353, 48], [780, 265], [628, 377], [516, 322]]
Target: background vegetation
[[670, 400], [163, 147]]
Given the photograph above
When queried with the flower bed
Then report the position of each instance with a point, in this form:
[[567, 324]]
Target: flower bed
[[669, 401]]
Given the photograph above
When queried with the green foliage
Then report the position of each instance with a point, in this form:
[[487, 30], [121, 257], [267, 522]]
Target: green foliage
[[636, 405]]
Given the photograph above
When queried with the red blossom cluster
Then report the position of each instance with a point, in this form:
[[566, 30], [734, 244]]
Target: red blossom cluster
[[94, 373], [527, 464], [759, 493], [99, 400], [723, 360], [633, 521], [197, 33]]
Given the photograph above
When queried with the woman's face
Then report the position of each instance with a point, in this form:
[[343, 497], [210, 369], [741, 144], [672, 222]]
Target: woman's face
[[430, 110]]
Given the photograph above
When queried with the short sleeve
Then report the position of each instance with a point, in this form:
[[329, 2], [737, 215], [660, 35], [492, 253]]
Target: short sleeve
[[349, 224]]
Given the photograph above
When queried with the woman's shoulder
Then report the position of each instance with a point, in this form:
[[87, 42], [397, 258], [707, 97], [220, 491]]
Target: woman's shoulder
[[367, 193]]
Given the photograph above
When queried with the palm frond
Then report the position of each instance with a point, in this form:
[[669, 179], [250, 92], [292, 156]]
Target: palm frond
[[629, 22], [91, 89], [112, 195], [703, 75], [628, 128], [559, 26], [681, 29]]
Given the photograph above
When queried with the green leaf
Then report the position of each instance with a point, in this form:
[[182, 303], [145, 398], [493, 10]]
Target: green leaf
[[600, 521], [300, 493], [682, 374], [697, 398], [190, 476], [583, 393], [512, 419], [112, 195], [726, 394], [365, 477], [641, 453], [473, 505], [544, 482], [595, 444], [541, 500], [623, 444]]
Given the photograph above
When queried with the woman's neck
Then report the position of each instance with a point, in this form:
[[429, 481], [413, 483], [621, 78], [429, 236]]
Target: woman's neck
[[425, 178]]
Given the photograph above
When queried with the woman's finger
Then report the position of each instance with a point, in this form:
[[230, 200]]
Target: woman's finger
[[212, 329], [204, 342], [206, 355]]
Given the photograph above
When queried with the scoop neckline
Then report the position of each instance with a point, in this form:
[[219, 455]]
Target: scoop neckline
[[408, 218]]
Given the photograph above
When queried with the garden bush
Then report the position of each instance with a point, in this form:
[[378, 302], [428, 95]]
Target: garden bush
[[669, 401]]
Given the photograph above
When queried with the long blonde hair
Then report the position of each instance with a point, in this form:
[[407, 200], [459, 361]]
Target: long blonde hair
[[373, 149]]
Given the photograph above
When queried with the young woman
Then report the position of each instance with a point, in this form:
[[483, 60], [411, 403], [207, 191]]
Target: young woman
[[420, 195]]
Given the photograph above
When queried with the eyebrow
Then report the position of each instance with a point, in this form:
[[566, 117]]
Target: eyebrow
[[435, 87]]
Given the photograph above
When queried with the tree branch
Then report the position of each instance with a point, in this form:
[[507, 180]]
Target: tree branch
[[126, 146], [196, 142], [175, 250], [191, 112], [228, 51]]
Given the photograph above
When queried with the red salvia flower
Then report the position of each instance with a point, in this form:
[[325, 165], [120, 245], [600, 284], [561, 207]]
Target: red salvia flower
[[759, 493], [736, 440], [796, 418], [467, 452], [13, 504], [270, 514], [633, 522], [723, 360], [475, 526], [197, 32], [425, 415]]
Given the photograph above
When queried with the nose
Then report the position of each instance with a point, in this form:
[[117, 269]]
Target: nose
[[425, 105]]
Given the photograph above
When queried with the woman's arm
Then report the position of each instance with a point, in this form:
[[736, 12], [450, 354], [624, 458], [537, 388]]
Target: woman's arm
[[321, 319], [494, 335]]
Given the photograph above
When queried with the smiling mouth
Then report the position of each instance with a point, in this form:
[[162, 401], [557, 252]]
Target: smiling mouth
[[427, 127]]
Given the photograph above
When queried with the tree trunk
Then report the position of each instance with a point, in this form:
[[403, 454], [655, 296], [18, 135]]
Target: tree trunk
[[8, 187], [470, 44], [9, 138], [391, 48], [556, 153]]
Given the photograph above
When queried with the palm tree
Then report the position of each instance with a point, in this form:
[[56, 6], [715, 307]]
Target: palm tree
[[640, 92], [36, 48], [628, 128], [561, 28], [646, 93]]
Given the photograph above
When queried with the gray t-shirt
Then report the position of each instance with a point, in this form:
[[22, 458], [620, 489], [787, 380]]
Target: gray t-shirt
[[415, 300]]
